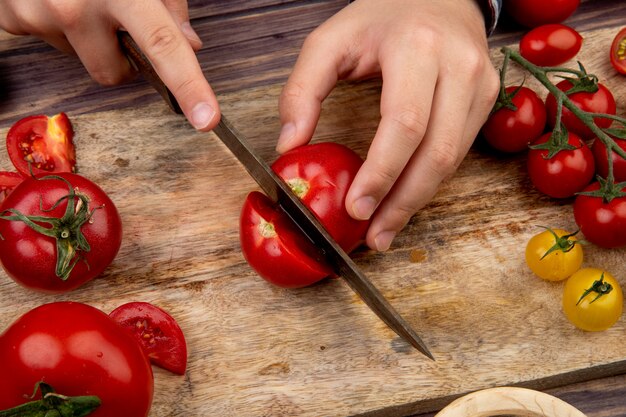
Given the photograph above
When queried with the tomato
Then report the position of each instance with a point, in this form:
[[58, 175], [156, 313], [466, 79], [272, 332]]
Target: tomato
[[72, 244], [510, 128], [602, 223], [78, 350], [320, 175], [554, 254], [602, 163], [563, 174], [592, 299], [8, 181], [618, 52], [157, 332], [550, 45], [533, 13], [601, 101], [42, 144]]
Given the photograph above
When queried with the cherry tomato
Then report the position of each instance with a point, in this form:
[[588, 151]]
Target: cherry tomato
[[511, 130], [68, 245], [602, 162], [592, 299], [42, 144], [533, 13], [273, 245], [554, 254], [550, 45], [78, 350], [618, 52], [601, 101], [157, 332], [563, 174], [8, 181], [602, 223]]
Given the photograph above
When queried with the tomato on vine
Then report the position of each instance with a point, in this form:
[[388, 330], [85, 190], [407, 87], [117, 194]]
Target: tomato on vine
[[592, 299], [517, 119], [533, 13], [554, 254], [560, 164], [602, 161]]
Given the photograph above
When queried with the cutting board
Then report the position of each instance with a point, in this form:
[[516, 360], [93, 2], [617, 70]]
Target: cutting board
[[456, 272]]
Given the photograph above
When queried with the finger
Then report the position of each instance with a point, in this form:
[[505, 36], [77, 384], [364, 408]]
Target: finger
[[405, 110], [162, 41], [313, 77], [180, 12]]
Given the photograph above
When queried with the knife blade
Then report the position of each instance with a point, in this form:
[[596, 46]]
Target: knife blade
[[276, 189]]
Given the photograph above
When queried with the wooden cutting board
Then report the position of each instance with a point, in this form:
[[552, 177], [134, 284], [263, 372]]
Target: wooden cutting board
[[456, 272]]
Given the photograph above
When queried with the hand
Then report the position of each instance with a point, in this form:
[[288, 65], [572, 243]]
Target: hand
[[438, 88], [89, 29]]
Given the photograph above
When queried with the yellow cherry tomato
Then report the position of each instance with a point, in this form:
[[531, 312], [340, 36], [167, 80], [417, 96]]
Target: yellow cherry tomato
[[592, 299], [554, 254]]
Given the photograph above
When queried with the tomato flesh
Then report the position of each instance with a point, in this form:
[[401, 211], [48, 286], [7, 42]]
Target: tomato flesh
[[550, 45], [8, 181], [42, 144], [618, 52], [157, 332], [78, 350]]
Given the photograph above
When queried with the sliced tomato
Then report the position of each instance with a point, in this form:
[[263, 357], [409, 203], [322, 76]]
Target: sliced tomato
[[157, 332], [41, 144], [8, 181], [618, 51]]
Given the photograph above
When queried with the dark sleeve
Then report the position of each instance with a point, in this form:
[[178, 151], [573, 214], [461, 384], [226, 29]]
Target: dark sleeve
[[491, 9]]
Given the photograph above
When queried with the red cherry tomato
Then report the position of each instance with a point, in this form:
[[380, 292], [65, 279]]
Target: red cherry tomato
[[600, 222], [157, 332], [618, 52], [8, 181], [78, 350], [42, 144], [86, 236], [564, 174], [509, 130], [602, 162], [601, 101], [273, 245], [550, 45], [533, 13]]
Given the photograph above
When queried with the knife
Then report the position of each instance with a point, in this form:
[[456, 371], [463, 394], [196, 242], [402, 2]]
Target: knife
[[279, 191]]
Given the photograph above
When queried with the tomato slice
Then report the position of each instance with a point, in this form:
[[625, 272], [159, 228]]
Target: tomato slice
[[8, 181], [42, 144], [618, 51], [157, 332]]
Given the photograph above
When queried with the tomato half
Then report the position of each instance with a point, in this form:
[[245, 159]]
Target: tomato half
[[554, 254], [512, 129], [563, 174], [601, 101], [8, 181], [618, 52], [73, 246], [320, 175], [550, 45], [533, 13], [157, 332], [42, 144], [602, 223], [592, 299], [602, 162], [78, 350]]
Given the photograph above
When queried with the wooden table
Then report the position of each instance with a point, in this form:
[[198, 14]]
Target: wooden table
[[247, 44]]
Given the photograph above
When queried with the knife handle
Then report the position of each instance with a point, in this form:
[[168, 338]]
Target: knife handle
[[143, 65]]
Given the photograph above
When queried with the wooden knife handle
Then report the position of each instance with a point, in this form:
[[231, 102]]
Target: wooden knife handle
[[509, 401]]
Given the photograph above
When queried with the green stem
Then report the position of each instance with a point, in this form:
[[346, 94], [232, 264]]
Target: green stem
[[54, 405]]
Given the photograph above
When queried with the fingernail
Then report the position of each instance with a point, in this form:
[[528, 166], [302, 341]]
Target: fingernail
[[287, 133], [201, 115], [189, 33], [383, 240], [364, 207]]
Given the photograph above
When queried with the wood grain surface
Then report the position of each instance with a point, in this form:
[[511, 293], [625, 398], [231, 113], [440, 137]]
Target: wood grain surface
[[456, 272]]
